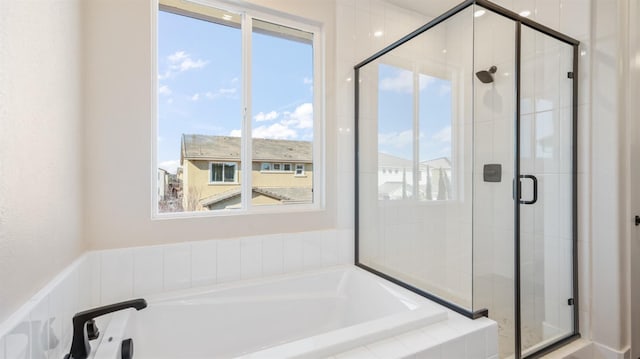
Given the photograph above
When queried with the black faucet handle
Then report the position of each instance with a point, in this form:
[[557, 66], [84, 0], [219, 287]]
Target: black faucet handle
[[92, 330], [85, 329]]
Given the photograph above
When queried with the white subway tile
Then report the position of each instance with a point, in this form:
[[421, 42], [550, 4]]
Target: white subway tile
[[357, 353], [388, 348], [417, 340], [177, 266], [229, 268], [292, 247], [39, 339], [491, 339], [454, 348], [476, 344], [311, 250], [17, 341], [329, 248], [251, 257], [204, 260], [148, 271], [434, 352], [116, 275], [272, 255]]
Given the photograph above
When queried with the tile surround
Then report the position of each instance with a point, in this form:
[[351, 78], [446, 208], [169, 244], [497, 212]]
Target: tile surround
[[42, 327]]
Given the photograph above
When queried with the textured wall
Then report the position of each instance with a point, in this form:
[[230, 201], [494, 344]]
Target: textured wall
[[40, 145]]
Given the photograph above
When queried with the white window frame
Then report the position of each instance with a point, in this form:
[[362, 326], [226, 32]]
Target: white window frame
[[296, 170], [235, 173], [248, 13]]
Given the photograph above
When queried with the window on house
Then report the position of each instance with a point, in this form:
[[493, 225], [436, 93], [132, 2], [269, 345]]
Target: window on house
[[223, 172], [299, 169], [202, 99]]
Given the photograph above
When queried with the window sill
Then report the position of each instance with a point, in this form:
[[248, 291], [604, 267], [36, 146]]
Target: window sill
[[300, 176], [224, 183]]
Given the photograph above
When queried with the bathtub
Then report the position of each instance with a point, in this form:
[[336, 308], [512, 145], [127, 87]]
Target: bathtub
[[312, 314]]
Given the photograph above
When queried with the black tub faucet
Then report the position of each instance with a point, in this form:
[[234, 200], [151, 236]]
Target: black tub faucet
[[84, 327]]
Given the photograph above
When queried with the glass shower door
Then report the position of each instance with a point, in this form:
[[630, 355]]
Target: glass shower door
[[546, 198]]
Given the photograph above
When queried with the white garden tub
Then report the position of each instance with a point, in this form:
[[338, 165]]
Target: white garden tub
[[313, 314]]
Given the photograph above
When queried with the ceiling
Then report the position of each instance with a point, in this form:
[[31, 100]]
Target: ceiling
[[431, 8]]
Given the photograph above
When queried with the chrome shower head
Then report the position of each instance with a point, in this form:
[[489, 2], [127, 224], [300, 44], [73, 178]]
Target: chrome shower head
[[486, 76]]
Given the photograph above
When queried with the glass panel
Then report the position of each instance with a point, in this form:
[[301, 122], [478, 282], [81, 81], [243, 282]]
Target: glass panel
[[415, 161], [493, 208], [282, 118], [546, 226], [199, 117]]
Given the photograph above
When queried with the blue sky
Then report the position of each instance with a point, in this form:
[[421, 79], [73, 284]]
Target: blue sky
[[200, 84], [395, 114]]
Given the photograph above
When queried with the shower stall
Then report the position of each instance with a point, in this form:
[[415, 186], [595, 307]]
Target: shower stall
[[466, 171]]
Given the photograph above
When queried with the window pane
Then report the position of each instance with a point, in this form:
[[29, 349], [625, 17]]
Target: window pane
[[216, 172], [282, 111], [435, 181], [395, 132], [199, 102], [229, 172]]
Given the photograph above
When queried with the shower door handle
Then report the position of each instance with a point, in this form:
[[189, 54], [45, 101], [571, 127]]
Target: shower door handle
[[535, 190]]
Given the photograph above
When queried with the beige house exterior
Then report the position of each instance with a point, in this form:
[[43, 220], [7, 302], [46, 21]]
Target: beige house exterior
[[281, 172]]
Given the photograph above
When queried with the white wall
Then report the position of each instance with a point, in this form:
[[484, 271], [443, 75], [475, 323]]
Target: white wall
[[40, 145], [118, 134]]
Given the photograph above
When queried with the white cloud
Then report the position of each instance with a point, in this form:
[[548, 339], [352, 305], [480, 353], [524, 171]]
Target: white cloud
[[302, 116], [307, 81], [181, 61], [235, 133], [177, 56], [403, 82], [266, 116], [195, 97], [444, 135], [276, 131], [164, 90], [396, 139], [170, 166], [223, 92]]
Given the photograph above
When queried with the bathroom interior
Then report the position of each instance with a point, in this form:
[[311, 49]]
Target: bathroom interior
[[449, 156]]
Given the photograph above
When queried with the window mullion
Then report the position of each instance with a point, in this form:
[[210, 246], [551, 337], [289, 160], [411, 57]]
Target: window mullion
[[246, 154]]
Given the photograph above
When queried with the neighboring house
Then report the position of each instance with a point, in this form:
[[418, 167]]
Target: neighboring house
[[282, 172], [395, 178], [163, 182]]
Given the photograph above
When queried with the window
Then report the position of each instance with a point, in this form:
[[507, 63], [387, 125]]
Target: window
[[223, 172], [221, 113], [415, 122]]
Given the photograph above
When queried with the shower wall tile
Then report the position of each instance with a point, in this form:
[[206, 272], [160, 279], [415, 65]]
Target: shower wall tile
[[2, 351]]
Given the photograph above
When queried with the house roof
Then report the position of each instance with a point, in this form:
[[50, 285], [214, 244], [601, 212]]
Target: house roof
[[228, 148], [285, 194], [442, 162]]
